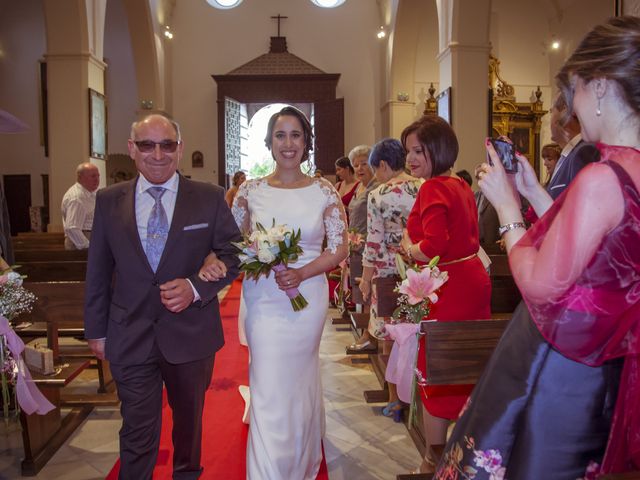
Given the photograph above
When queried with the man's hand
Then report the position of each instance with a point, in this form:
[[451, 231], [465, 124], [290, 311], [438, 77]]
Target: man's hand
[[213, 269], [176, 295], [97, 347]]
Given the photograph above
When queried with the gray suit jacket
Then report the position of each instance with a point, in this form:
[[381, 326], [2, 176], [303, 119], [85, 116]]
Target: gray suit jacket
[[581, 155], [122, 300]]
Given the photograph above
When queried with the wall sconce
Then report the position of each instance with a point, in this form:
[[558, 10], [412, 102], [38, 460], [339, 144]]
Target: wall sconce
[[167, 32], [555, 45], [402, 97], [146, 104], [381, 33]]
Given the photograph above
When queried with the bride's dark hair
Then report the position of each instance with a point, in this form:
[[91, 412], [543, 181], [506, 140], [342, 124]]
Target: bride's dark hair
[[306, 128]]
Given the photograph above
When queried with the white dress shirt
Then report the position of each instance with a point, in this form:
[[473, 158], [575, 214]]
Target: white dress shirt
[[565, 153], [78, 205], [145, 203]]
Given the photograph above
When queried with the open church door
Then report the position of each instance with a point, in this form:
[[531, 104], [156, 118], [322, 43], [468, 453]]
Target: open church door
[[235, 129], [329, 131]]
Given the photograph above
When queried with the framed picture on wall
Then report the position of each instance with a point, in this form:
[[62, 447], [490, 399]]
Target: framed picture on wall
[[444, 105], [97, 125]]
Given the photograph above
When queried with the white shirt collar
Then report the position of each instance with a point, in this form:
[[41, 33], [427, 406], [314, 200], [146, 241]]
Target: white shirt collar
[[171, 184], [571, 144]]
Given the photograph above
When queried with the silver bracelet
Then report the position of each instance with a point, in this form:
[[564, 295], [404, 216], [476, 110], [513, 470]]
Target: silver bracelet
[[510, 226]]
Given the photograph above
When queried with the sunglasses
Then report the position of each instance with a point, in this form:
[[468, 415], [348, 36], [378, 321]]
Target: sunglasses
[[166, 146]]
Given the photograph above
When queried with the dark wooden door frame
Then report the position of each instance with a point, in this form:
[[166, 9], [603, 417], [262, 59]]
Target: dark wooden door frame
[[303, 88]]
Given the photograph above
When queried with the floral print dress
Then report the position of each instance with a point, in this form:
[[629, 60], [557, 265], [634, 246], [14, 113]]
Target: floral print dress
[[387, 211]]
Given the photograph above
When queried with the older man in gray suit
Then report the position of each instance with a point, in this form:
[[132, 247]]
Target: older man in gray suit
[[146, 309]]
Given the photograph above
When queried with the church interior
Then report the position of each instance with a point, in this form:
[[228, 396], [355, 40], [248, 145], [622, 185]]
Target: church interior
[[77, 73]]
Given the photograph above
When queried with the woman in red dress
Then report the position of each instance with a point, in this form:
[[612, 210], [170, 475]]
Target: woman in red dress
[[444, 223]]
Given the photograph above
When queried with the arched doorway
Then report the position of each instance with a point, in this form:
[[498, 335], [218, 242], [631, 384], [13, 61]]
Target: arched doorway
[[278, 77]]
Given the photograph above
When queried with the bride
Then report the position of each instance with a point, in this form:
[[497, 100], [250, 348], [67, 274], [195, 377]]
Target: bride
[[286, 410]]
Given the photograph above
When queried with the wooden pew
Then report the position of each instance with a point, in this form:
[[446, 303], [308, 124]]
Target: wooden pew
[[31, 241], [457, 353], [43, 435], [48, 271], [505, 295], [62, 303]]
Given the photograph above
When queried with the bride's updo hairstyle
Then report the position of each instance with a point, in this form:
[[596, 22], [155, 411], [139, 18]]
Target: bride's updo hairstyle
[[437, 139], [612, 51], [306, 129]]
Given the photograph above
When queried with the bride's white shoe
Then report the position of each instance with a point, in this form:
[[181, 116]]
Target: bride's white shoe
[[246, 396]]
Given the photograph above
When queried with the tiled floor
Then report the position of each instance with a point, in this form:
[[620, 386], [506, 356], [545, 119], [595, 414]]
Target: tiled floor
[[360, 443]]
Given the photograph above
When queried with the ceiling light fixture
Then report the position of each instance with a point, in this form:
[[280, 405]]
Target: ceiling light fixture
[[555, 45], [328, 3], [224, 4]]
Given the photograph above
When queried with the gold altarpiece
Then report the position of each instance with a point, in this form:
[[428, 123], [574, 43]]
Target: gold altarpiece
[[520, 121]]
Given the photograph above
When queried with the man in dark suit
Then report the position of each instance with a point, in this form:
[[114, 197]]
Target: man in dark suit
[[146, 309], [575, 155], [488, 222]]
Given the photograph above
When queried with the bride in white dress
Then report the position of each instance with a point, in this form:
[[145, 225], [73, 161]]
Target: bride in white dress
[[286, 411]]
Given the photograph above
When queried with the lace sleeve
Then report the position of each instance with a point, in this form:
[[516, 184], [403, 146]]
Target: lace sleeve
[[335, 219], [240, 208]]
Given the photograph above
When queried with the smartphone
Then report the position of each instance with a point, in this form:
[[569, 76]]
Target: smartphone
[[507, 154]]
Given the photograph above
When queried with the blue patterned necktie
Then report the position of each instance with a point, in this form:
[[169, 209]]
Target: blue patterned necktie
[[157, 228]]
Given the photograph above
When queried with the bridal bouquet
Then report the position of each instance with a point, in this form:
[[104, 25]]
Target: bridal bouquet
[[271, 249], [417, 289]]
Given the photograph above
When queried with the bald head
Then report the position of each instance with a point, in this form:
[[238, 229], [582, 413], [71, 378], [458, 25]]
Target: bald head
[[88, 176], [151, 119]]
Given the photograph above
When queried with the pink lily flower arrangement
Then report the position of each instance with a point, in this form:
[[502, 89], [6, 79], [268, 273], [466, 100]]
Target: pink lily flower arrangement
[[417, 289]]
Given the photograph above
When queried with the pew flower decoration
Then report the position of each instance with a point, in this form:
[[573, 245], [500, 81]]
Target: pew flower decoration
[[14, 300], [271, 249], [417, 289]]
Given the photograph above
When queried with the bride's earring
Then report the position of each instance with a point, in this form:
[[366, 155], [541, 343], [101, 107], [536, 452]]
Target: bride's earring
[[598, 112]]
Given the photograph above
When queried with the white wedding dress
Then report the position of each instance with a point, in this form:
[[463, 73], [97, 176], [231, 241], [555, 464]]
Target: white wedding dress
[[286, 411]]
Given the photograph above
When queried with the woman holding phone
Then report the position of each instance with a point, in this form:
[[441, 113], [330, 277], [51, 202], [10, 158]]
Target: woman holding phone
[[559, 398]]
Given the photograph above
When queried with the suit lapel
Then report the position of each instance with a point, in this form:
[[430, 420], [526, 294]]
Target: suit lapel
[[180, 217], [127, 212]]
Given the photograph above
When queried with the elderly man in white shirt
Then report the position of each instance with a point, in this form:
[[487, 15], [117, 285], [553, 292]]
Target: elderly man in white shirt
[[78, 205]]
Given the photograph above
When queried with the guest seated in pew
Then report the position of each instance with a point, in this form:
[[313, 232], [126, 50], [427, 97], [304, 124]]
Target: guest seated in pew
[[559, 398], [443, 222], [387, 210], [78, 205]]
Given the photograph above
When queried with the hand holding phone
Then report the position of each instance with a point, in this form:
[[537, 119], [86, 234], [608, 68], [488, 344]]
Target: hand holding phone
[[507, 154]]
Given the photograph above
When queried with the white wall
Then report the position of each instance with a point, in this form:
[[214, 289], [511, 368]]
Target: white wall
[[121, 88], [427, 69], [209, 41], [22, 45]]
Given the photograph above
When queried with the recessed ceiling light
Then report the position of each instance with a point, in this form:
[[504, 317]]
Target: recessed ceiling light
[[328, 3], [224, 4]]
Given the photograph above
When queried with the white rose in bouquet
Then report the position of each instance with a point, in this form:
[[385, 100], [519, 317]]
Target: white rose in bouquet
[[265, 255]]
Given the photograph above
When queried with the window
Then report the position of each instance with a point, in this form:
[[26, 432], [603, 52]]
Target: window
[[224, 4], [328, 3]]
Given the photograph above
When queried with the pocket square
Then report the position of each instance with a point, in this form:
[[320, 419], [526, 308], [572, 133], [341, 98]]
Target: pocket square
[[196, 226]]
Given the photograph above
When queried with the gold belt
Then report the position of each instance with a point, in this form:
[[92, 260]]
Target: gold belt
[[458, 260]]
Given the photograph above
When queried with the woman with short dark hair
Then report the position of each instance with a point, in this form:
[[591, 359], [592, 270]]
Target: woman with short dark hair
[[444, 223]]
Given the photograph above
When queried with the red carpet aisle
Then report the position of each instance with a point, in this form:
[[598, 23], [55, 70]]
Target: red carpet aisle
[[225, 436]]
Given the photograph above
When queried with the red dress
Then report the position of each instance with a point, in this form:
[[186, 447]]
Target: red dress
[[444, 221]]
